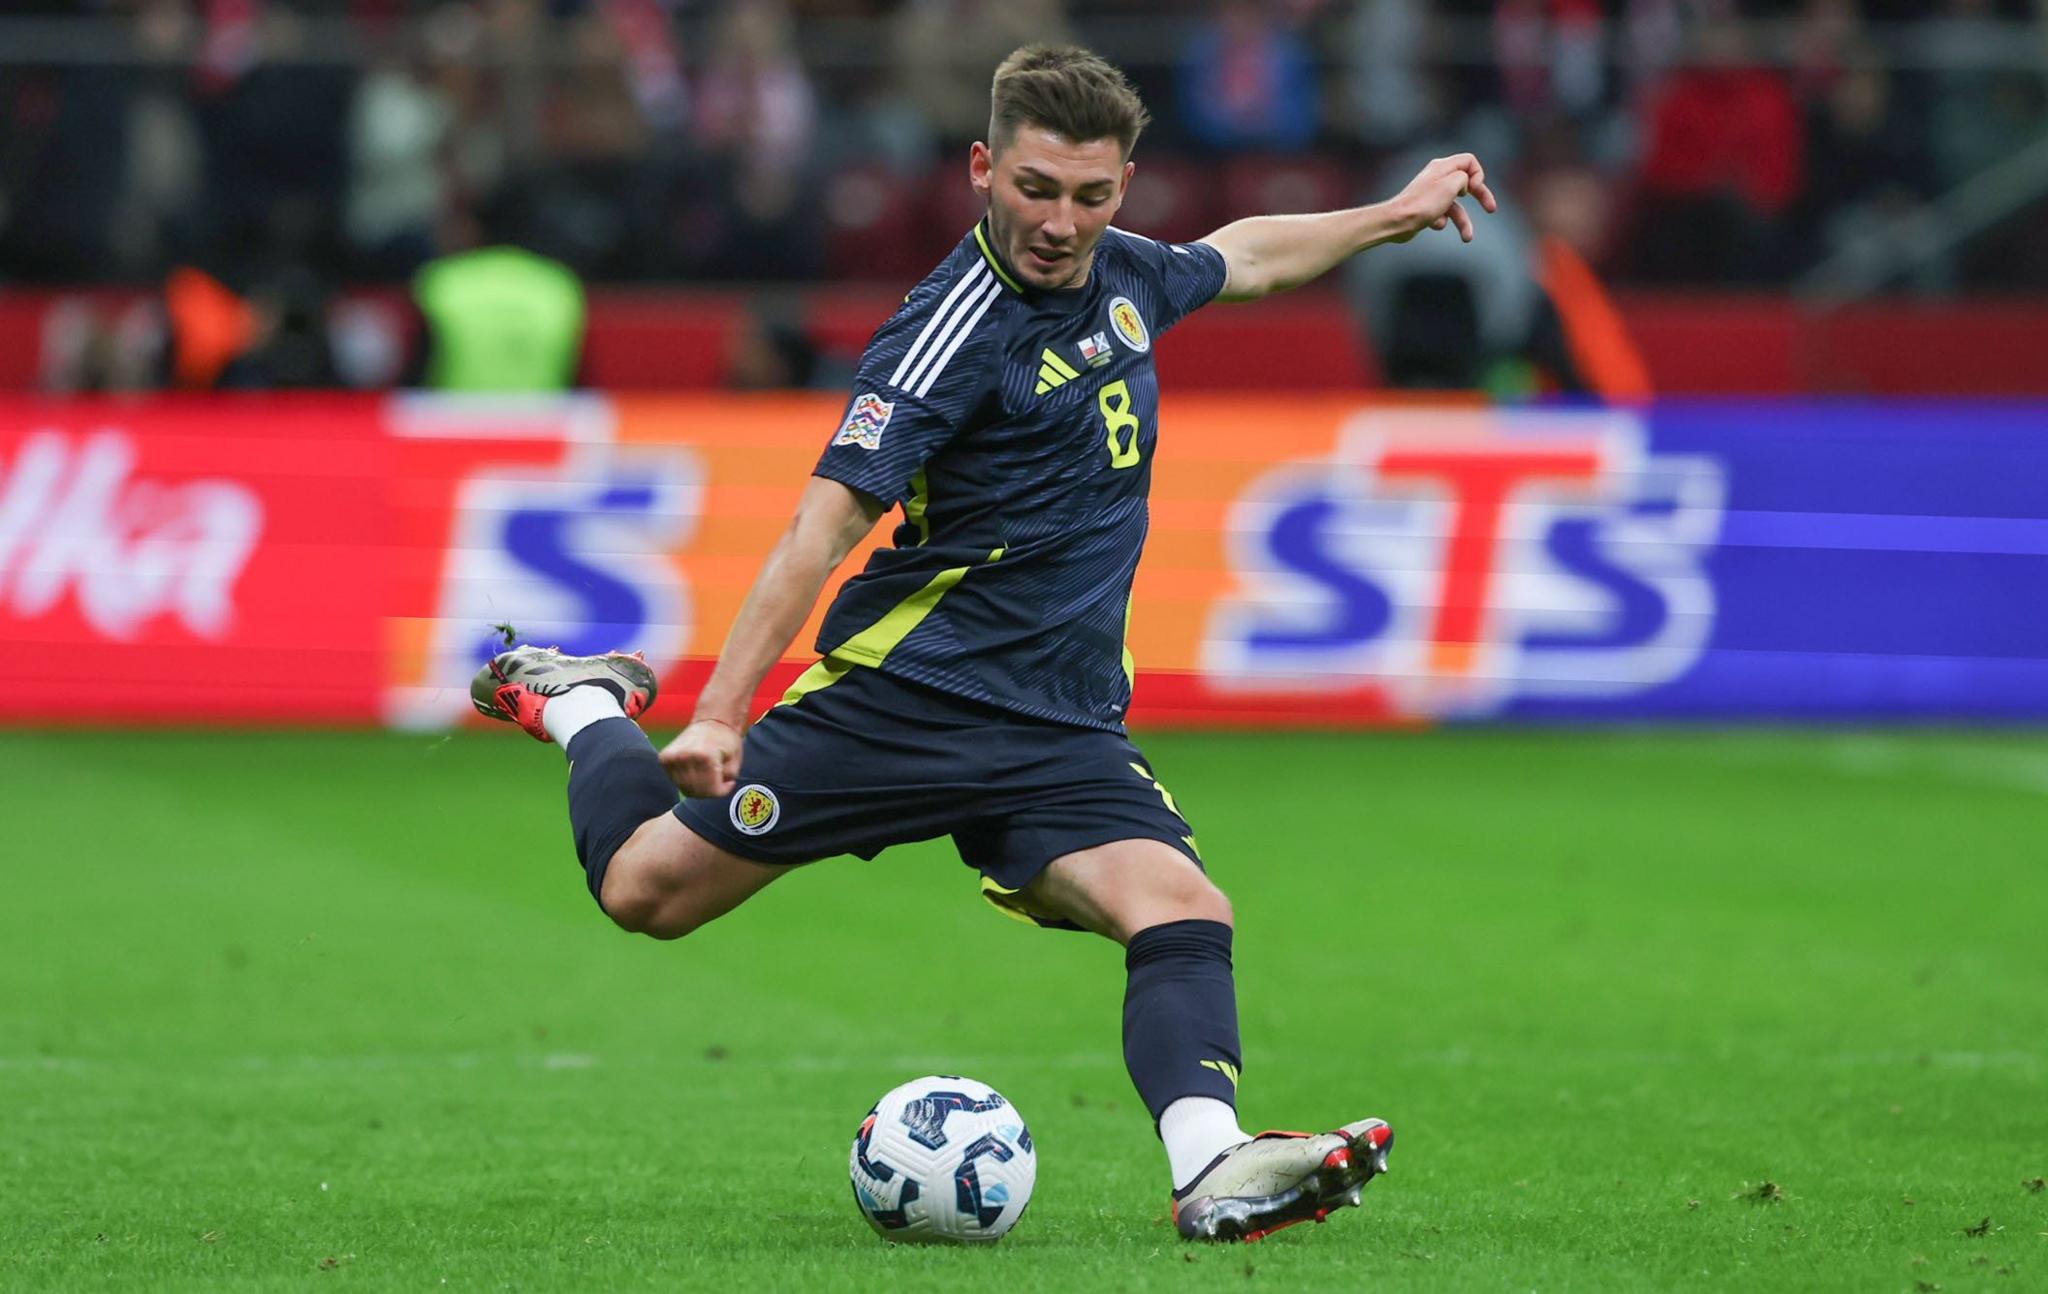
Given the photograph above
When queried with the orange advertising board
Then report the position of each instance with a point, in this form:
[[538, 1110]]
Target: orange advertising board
[[1315, 560]]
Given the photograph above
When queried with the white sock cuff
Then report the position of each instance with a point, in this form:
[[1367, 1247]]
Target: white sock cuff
[[576, 709], [1196, 1129]]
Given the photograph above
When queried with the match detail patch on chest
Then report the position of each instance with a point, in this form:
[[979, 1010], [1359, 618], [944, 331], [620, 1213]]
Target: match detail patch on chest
[[1095, 351], [1129, 324], [865, 421]]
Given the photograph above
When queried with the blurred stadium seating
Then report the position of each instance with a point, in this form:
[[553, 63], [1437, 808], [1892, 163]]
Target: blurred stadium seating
[[1810, 154]]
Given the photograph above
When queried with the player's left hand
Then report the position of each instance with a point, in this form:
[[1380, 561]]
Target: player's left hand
[[1431, 199]]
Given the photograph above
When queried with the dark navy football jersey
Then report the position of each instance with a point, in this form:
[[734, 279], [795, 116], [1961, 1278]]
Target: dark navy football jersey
[[1016, 428]]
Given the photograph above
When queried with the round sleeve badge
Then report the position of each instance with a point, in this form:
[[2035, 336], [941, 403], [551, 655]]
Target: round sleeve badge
[[754, 809], [1129, 324]]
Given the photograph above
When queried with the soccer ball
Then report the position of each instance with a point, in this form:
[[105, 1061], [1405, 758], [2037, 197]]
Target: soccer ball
[[943, 1159]]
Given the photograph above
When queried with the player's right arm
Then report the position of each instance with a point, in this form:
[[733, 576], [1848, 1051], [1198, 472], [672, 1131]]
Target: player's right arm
[[831, 518], [922, 372]]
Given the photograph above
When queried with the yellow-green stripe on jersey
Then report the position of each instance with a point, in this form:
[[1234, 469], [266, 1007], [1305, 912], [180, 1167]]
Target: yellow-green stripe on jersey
[[872, 645]]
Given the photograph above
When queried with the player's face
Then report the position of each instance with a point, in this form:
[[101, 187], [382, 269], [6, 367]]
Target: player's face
[[1049, 199]]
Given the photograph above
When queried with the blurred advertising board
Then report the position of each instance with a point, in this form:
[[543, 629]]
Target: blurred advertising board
[[1320, 560]]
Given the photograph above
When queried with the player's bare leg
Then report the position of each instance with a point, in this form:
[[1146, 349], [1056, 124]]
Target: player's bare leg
[[1180, 1044], [1118, 889], [667, 880], [649, 872]]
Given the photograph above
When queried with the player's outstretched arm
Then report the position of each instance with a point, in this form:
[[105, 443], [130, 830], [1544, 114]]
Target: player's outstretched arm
[[1268, 254], [704, 759]]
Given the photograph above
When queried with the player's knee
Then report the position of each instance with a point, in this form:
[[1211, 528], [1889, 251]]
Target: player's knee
[[669, 923], [637, 902], [646, 912], [1189, 896], [629, 910], [1207, 903]]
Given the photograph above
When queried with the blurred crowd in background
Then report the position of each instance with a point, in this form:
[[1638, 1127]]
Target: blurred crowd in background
[[246, 161], [1683, 141]]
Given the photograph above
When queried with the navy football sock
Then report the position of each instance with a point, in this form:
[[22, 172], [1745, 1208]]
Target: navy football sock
[[615, 785], [1180, 1014]]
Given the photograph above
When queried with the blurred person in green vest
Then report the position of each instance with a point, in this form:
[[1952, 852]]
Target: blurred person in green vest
[[498, 319]]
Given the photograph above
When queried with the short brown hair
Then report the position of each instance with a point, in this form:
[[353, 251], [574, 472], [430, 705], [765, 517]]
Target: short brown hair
[[1067, 90]]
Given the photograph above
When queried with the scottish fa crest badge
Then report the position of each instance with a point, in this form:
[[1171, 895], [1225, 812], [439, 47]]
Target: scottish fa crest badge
[[1129, 324], [754, 809]]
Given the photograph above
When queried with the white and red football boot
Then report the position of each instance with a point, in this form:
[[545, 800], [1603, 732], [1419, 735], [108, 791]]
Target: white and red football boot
[[1280, 1178]]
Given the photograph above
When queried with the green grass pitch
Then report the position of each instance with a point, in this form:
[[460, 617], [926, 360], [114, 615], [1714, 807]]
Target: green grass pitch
[[1658, 1010]]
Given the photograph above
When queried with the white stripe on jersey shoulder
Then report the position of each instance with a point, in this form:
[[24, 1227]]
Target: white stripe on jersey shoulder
[[988, 298], [970, 283], [959, 323], [1128, 236], [1176, 248]]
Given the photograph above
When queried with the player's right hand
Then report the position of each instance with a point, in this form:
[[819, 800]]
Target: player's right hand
[[704, 759]]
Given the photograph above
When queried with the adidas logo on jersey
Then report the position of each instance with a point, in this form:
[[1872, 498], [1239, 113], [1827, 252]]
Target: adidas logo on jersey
[[1053, 372]]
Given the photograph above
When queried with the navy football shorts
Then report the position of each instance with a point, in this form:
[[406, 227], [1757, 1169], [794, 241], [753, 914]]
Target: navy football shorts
[[869, 761]]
